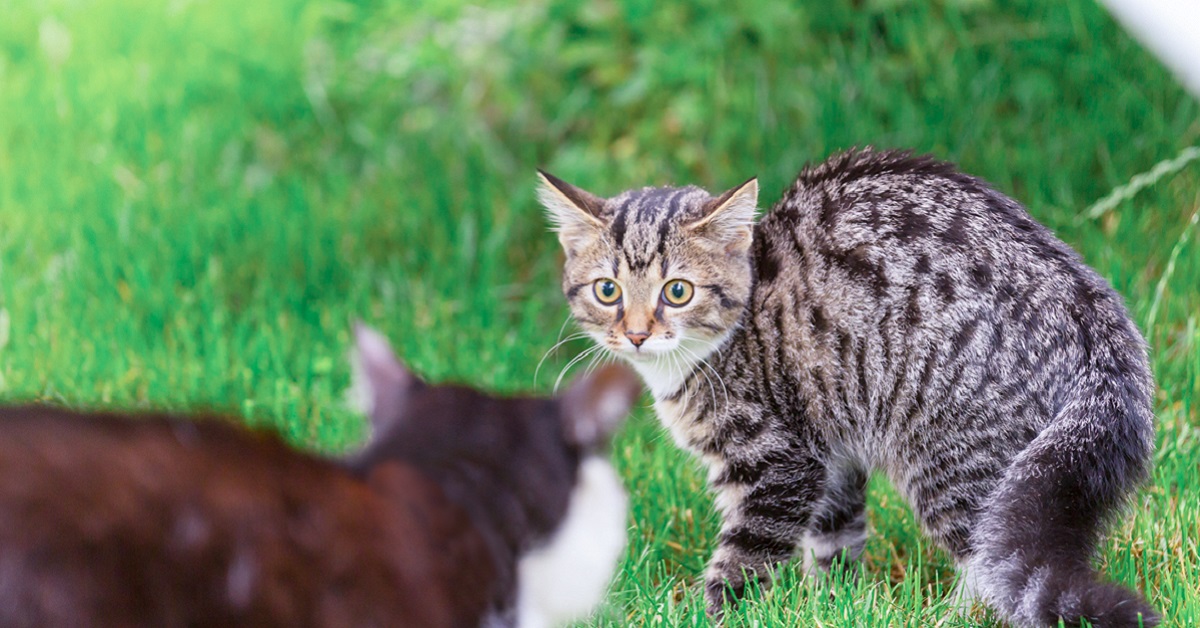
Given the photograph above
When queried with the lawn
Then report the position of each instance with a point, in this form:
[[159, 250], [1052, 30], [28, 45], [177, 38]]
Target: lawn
[[197, 198]]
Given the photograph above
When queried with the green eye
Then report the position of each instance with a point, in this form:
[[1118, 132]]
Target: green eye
[[607, 291], [678, 292]]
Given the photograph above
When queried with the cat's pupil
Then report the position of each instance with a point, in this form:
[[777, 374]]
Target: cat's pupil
[[608, 288], [677, 290]]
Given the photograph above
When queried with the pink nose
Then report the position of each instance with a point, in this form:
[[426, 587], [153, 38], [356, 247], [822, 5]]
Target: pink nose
[[637, 337]]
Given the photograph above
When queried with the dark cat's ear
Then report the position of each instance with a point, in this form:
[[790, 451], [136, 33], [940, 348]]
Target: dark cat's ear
[[596, 404], [729, 218], [381, 383], [575, 213]]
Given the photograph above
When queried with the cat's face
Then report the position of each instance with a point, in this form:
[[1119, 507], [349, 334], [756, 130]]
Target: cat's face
[[656, 275]]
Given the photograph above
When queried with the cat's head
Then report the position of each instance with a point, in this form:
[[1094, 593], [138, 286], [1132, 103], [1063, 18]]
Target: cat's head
[[655, 271], [580, 421], [526, 468]]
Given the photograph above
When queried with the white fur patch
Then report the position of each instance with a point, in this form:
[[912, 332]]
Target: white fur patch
[[564, 580], [817, 547], [726, 497], [665, 369], [359, 396], [966, 592], [662, 377]]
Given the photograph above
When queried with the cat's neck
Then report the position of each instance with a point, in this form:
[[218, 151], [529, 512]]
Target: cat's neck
[[687, 389], [663, 377]]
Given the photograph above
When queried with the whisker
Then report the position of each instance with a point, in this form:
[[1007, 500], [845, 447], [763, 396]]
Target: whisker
[[575, 336], [707, 378], [597, 360], [563, 327], [705, 364], [677, 366], [720, 379], [573, 362]]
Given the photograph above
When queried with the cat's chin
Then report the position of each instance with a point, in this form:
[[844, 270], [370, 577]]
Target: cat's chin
[[663, 372], [645, 354]]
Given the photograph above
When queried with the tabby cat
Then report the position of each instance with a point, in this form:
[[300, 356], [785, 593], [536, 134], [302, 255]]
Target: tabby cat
[[889, 313], [462, 510]]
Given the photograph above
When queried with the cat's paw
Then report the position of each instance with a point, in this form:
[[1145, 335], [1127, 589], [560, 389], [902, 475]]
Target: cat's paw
[[721, 592]]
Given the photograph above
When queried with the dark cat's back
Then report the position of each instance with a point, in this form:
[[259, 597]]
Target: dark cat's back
[[462, 509], [161, 521]]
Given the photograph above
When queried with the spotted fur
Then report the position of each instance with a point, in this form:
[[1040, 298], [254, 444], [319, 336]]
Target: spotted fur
[[888, 314]]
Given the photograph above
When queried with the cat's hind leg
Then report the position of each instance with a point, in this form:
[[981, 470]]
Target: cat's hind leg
[[837, 532], [1037, 535]]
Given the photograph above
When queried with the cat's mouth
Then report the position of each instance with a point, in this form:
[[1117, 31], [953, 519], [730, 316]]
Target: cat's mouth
[[647, 352], [640, 354], [653, 349]]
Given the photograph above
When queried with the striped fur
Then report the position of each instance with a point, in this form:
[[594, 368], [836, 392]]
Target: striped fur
[[888, 314]]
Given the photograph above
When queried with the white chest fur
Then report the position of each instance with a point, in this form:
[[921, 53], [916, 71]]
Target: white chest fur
[[564, 580], [666, 375], [680, 422], [664, 378]]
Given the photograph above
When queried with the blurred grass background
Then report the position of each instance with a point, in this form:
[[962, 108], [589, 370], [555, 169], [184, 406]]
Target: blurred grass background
[[197, 197]]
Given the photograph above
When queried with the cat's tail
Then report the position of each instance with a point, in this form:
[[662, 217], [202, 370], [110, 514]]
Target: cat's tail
[[1035, 540]]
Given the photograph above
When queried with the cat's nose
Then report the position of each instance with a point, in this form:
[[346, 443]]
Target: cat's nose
[[637, 337]]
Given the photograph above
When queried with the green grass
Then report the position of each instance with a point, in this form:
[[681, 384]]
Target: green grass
[[197, 198]]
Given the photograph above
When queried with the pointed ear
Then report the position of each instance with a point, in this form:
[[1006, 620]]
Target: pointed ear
[[575, 213], [596, 405], [729, 218], [381, 383]]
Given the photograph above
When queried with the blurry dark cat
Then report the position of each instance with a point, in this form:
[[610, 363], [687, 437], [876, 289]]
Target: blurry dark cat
[[889, 313], [462, 510]]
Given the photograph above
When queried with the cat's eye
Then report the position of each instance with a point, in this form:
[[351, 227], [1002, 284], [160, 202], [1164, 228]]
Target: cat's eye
[[677, 292], [607, 291]]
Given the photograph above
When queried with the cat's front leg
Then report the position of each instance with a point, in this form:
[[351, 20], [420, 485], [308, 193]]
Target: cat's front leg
[[765, 516]]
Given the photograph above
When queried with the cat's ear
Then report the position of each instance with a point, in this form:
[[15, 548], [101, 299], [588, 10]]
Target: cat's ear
[[596, 404], [575, 213], [381, 383], [729, 218]]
